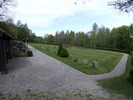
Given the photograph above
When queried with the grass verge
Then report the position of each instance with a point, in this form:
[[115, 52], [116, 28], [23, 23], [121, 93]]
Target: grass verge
[[120, 84], [18, 53], [107, 60]]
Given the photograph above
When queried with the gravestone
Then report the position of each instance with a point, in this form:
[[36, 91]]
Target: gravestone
[[76, 60], [70, 57], [95, 64], [47, 49], [85, 62], [54, 52]]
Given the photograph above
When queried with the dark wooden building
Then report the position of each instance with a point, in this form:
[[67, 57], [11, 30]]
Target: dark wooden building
[[4, 50]]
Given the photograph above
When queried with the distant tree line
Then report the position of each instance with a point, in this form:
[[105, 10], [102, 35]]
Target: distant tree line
[[20, 31], [117, 38], [98, 37]]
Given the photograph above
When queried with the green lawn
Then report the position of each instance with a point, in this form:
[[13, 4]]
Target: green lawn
[[107, 60], [120, 84]]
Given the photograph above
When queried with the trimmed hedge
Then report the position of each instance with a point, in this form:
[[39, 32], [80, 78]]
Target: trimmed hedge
[[117, 50], [29, 53], [64, 53], [59, 50], [131, 77]]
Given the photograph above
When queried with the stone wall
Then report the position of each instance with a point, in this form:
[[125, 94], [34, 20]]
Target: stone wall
[[19, 45]]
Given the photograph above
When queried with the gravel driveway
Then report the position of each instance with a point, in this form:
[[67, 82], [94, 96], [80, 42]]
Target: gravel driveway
[[45, 74]]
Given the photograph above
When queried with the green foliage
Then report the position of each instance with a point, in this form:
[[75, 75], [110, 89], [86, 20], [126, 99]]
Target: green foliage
[[131, 77], [102, 37], [113, 49], [32, 38], [29, 53], [117, 38], [50, 39], [120, 85], [18, 53], [93, 35], [64, 53], [123, 38], [59, 49], [132, 57]]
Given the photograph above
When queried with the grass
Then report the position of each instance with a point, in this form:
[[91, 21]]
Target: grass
[[120, 84], [18, 53], [36, 95], [107, 60]]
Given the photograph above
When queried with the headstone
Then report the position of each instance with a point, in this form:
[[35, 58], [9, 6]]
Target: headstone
[[76, 60], [95, 64], [70, 57], [54, 52], [85, 62]]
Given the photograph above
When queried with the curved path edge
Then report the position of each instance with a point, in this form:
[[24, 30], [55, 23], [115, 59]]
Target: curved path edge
[[117, 71]]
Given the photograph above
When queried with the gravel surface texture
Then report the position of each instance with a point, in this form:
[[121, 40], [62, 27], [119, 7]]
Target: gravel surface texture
[[45, 74]]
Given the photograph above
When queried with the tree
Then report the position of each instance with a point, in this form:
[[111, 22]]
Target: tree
[[50, 39], [72, 36], [112, 38], [102, 37], [4, 26], [32, 38], [59, 49], [122, 5], [123, 38], [5, 5], [23, 31], [93, 35], [12, 27], [39, 39]]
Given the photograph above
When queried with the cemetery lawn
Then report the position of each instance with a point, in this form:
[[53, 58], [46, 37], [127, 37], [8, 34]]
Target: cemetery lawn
[[107, 60], [120, 85]]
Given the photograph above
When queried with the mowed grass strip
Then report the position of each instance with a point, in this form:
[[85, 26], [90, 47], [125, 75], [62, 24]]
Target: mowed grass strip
[[120, 85], [107, 60]]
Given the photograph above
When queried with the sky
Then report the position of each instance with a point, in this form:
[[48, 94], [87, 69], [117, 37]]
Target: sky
[[48, 16]]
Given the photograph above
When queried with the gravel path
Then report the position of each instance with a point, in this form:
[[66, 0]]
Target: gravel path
[[46, 74]]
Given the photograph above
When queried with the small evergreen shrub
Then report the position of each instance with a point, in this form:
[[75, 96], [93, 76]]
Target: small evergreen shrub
[[131, 77], [29, 53], [64, 53], [59, 50]]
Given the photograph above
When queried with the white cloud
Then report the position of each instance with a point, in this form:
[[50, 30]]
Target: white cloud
[[43, 13], [46, 11]]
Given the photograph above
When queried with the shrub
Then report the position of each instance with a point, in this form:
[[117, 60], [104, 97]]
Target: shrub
[[29, 53], [64, 53], [18, 53], [132, 57], [59, 50], [113, 49], [131, 77]]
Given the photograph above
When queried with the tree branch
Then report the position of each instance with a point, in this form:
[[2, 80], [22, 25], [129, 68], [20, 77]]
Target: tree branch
[[122, 5]]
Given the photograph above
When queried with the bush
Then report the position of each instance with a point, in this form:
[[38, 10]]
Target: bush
[[113, 49], [18, 53], [132, 57], [64, 53], [59, 50], [131, 77], [29, 53]]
